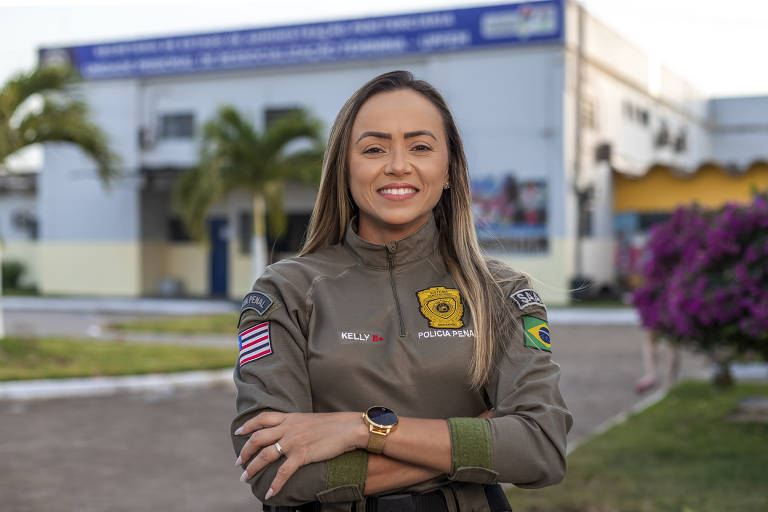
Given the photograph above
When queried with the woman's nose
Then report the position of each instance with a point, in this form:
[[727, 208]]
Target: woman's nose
[[399, 164]]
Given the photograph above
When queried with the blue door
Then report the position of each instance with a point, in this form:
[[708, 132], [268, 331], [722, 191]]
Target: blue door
[[217, 234]]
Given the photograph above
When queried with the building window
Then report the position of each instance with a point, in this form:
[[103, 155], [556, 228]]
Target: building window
[[177, 126], [662, 136], [176, 230], [681, 141], [635, 113], [589, 113], [643, 117], [291, 240], [273, 114]]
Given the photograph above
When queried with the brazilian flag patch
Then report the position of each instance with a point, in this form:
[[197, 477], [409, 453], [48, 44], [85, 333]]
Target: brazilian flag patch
[[536, 333]]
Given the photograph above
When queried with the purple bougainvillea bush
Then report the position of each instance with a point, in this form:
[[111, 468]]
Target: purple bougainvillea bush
[[706, 278]]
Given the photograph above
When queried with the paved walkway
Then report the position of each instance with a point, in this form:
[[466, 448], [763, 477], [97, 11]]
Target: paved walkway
[[168, 448]]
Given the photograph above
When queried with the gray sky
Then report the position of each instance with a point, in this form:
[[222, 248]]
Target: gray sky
[[718, 46]]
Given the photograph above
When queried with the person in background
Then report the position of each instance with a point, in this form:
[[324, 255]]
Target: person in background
[[650, 378]]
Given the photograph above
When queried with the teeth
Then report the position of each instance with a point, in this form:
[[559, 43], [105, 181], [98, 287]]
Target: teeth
[[398, 191]]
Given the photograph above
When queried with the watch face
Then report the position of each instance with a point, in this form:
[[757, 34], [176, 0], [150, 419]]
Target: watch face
[[382, 416]]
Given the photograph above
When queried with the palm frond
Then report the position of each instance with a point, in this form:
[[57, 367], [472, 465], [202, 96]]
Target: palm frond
[[66, 122], [198, 189], [292, 126], [302, 167], [40, 81], [231, 140]]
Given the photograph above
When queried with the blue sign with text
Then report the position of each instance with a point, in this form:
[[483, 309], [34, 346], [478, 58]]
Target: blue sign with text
[[328, 42]]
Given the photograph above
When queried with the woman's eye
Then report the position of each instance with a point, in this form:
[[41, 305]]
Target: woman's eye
[[422, 147], [373, 150]]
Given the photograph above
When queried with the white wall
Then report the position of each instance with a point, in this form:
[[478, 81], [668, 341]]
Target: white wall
[[740, 132]]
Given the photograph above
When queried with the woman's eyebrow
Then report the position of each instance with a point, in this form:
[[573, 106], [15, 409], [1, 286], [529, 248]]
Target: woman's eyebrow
[[420, 132], [382, 135]]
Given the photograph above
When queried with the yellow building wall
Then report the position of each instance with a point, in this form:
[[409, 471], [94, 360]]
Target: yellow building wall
[[549, 272], [26, 253], [90, 268], [183, 261], [660, 190], [239, 273]]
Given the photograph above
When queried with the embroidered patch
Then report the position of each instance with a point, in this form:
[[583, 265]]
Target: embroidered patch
[[442, 307], [359, 337], [254, 343], [527, 297], [257, 301], [537, 333]]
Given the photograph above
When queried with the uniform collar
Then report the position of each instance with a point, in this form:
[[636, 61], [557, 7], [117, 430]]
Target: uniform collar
[[417, 246]]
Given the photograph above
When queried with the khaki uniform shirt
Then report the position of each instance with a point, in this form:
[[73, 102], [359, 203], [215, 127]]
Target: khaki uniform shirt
[[359, 324]]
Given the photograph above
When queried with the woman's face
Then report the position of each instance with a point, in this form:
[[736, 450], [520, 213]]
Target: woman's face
[[398, 163]]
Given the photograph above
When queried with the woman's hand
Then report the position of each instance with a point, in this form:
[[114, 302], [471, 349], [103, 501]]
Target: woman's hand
[[304, 438]]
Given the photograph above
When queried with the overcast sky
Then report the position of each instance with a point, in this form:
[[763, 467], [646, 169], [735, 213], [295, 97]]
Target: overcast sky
[[720, 47]]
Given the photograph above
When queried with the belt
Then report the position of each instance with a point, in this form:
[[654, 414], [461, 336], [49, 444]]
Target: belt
[[429, 502]]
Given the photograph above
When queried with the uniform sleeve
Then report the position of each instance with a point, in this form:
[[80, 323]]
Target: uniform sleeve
[[271, 375], [525, 442]]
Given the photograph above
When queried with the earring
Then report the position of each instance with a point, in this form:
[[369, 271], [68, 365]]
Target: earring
[[446, 186]]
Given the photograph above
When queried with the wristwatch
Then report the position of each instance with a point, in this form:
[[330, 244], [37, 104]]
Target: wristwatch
[[381, 421]]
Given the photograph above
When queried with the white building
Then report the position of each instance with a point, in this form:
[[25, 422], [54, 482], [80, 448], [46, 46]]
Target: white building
[[549, 101]]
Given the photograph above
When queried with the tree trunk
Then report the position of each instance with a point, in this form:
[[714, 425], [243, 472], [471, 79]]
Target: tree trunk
[[722, 358], [723, 377], [258, 240]]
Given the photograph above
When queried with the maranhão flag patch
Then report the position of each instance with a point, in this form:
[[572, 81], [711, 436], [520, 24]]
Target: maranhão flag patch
[[254, 343], [536, 333]]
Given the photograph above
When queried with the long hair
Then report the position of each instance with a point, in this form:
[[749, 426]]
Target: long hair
[[477, 277]]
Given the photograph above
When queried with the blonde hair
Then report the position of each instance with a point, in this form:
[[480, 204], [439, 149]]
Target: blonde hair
[[478, 278]]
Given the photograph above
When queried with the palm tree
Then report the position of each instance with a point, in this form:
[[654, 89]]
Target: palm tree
[[235, 156], [58, 118]]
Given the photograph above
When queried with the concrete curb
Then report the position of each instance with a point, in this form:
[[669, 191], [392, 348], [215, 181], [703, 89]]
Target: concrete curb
[[593, 316], [103, 386], [120, 305], [620, 418]]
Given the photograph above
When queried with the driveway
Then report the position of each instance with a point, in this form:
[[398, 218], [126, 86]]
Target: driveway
[[171, 452]]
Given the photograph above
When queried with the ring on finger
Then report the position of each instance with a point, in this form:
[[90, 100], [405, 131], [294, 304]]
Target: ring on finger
[[279, 448]]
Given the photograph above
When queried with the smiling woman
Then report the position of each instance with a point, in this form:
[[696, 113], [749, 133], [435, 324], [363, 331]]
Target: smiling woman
[[392, 366]]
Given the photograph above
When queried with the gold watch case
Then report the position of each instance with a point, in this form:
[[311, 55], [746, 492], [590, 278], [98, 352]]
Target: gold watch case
[[377, 432]]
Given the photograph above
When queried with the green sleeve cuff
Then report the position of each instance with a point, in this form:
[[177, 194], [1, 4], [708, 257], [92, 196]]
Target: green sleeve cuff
[[470, 443], [350, 468]]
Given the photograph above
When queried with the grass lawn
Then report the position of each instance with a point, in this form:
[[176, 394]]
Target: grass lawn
[[680, 455], [225, 323], [45, 358]]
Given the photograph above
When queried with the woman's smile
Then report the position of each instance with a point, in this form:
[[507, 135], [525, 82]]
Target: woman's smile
[[398, 191]]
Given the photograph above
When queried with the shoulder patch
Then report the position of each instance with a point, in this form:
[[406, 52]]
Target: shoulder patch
[[527, 297], [536, 333], [254, 343], [260, 302]]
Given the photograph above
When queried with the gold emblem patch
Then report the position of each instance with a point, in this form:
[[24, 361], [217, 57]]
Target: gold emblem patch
[[442, 307]]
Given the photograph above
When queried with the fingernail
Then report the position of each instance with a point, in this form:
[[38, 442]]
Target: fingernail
[[244, 476], [269, 494], [239, 431], [238, 461]]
